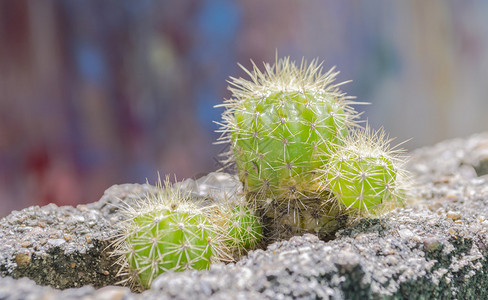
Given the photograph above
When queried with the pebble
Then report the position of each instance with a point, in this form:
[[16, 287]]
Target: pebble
[[391, 260], [56, 242], [454, 215], [405, 233], [112, 293], [23, 259], [26, 244]]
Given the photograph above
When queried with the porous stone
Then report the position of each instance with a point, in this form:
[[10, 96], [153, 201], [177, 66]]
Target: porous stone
[[434, 248], [65, 247]]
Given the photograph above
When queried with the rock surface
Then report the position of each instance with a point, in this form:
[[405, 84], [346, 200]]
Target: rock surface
[[436, 247], [63, 247]]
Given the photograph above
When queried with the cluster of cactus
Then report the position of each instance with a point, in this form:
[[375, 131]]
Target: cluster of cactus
[[167, 230], [306, 165], [304, 160]]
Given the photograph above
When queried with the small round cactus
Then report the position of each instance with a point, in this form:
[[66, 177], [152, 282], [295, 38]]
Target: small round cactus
[[244, 229], [167, 231], [364, 173], [167, 239]]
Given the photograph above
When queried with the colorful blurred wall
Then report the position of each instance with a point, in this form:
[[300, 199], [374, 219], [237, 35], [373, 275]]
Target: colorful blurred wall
[[94, 93]]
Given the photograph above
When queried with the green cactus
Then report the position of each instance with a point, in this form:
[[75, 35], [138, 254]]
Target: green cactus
[[364, 173], [244, 229], [166, 239], [167, 231], [304, 164], [281, 123]]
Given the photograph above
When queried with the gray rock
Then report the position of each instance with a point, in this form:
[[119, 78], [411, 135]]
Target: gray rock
[[26, 289], [63, 247], [434, 248]]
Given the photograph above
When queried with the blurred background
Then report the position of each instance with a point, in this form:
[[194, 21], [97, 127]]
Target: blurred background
[[95, 93]]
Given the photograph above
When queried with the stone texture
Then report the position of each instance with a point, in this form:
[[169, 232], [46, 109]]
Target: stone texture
[[64, 246], [434, 248]]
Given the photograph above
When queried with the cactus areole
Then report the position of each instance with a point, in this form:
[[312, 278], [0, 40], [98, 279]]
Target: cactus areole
[[281, 125]]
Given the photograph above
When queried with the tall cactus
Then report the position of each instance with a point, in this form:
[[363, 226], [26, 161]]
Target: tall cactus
[[283, 124]]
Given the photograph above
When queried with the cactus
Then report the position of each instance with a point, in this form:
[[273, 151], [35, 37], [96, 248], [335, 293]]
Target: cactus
[[282, 125], [169, 240], [304, 163], [364, 173], [167, 231], [244, 229]]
